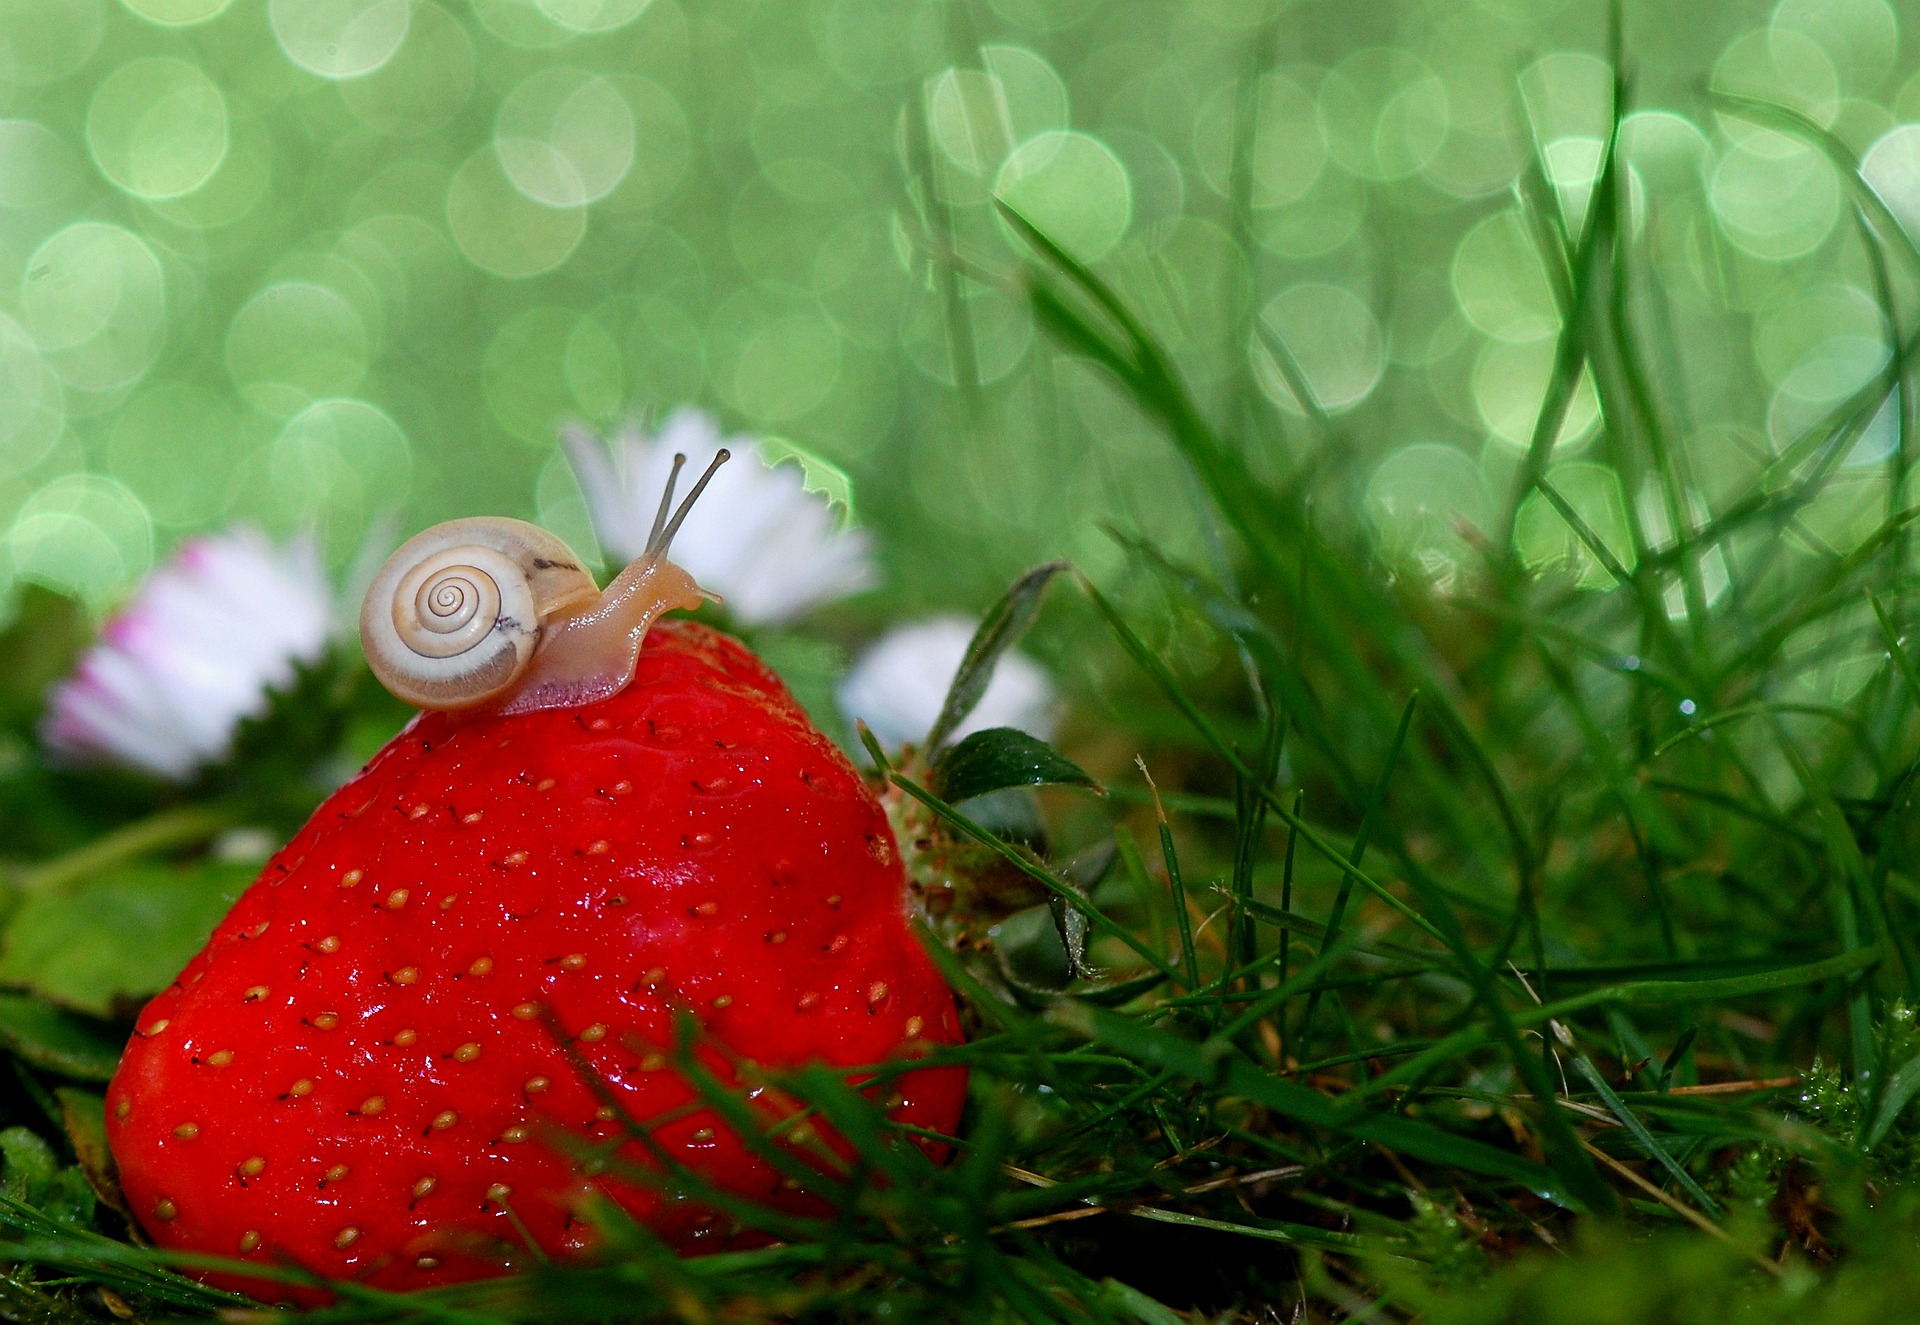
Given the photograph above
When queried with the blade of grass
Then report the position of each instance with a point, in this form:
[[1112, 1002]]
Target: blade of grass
[[1218, 1064], [1286, 906], [1182, 916], [1650, 993], [1375, 806], [1654, 1150]]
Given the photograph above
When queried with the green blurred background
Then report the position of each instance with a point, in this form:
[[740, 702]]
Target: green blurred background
[[335, 263]]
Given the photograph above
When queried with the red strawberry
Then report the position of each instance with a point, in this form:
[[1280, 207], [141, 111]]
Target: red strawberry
[[360, 1072]]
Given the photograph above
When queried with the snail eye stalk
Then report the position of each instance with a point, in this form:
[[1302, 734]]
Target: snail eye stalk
[[662, 538], [666, 503]]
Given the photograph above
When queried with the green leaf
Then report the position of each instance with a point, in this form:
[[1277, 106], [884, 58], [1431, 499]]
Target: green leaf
[[40, 647], [1043, 949], [104, 944], [57, 1041], [1120, 992], [818, 476], [27, 1164], [1000, 631], [32, 1174], [1082, 874], [1033, 952], [85, 1116], [999, 758]]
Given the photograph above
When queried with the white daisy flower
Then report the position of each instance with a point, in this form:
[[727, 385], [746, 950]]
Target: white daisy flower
[[759, 539], [898, 685], [196, 651]]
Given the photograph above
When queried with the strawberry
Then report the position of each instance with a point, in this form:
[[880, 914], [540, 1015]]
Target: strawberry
[[368, 1070]]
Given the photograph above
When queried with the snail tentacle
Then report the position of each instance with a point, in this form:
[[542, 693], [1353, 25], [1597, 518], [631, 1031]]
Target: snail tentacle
[[666, 501], [662, 539]]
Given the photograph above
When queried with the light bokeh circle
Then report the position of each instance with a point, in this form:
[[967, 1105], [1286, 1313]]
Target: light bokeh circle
[[1510, 381], [339, 38], [1333, 340], [1567, 94], [1892, 167], [342, 456], [662, 145], [1073, 187], [1499, 281], [244, 178], [426, 83], [1781, 66], [562, 508], [83, 534], [1821, 341], [1572, 165], [1289, 150], [93, 297], [1418, 498], [37, 168], [967, 116], [32, 407], [501, 229], [1665, 151], [1549, 545], [177, 13], [1775, 197], [999, 331], [1385, 113], [564, 137], [1035, 95], [1860, 37], [524, 377], [521, 23], [293, 343], [171, 444], [157, 128], [593, 15], [44, 41], [786, 368]]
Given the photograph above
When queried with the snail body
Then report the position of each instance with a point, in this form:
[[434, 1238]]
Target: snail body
[[589, 654], [497, 614]]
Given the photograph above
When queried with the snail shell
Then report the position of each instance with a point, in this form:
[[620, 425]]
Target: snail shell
[[454, 617]]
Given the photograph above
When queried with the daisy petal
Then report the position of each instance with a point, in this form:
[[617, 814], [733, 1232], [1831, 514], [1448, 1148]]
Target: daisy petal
[[898, 685], [758, 538], [229, 618]]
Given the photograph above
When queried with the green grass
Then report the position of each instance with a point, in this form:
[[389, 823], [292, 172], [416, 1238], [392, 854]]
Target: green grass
[[1502, 950]]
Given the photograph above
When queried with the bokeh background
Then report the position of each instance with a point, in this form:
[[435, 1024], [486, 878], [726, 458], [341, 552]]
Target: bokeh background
[[349, 264]]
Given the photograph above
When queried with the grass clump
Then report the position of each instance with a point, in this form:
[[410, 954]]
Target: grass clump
[[1531, 942]]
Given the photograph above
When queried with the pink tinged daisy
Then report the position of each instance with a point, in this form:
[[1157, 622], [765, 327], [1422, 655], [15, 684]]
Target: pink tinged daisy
[[899, 684], [205, 639], [770, 548]]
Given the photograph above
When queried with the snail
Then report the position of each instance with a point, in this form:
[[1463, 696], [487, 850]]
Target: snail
[[498, 614]]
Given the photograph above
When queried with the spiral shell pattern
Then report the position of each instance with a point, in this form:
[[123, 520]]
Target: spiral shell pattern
[[448, 605], [453, 618]]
